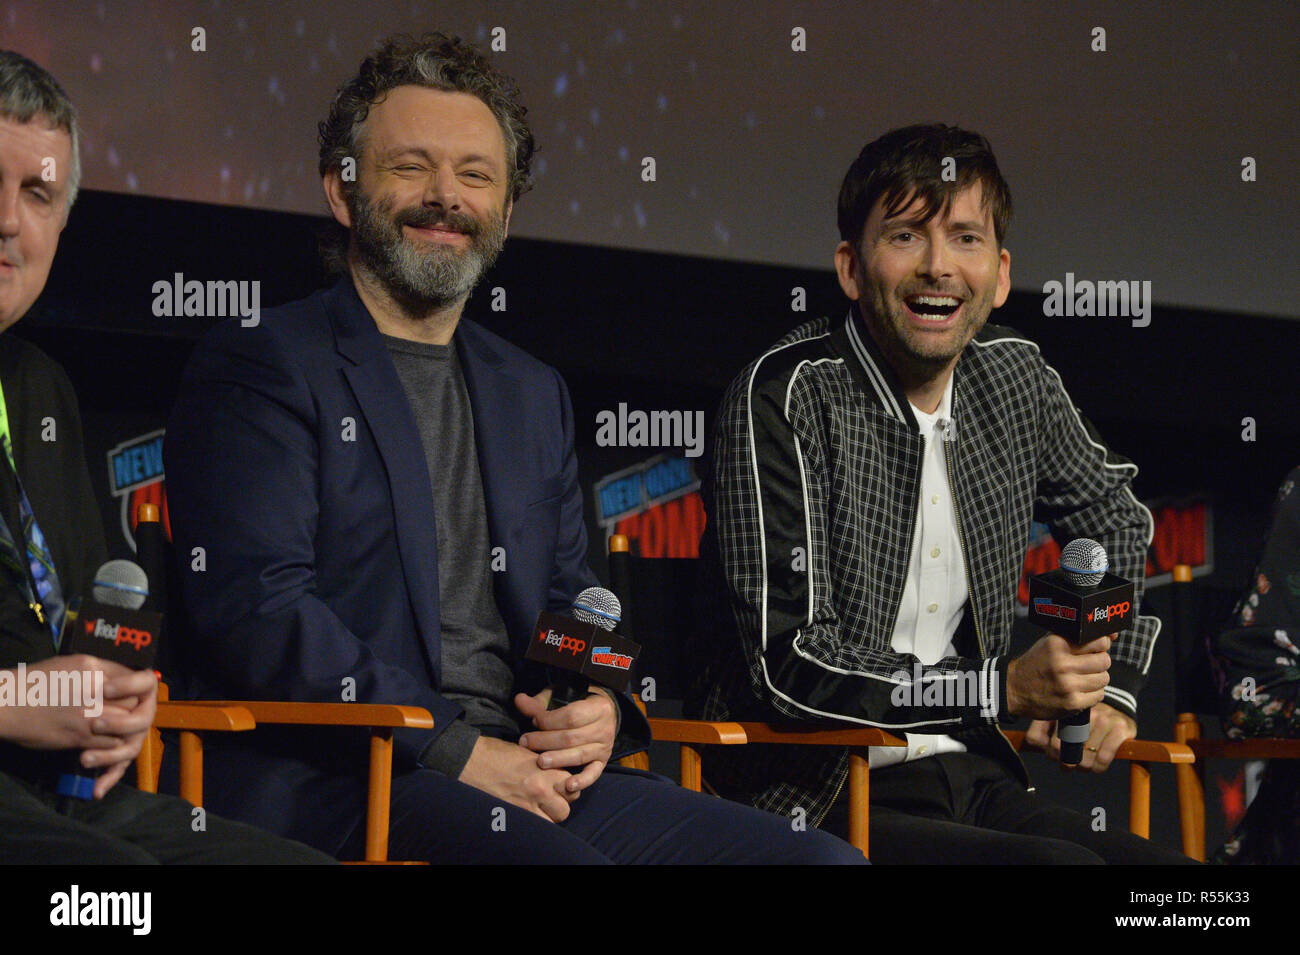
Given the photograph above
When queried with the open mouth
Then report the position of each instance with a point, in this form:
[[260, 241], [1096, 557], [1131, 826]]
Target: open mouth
[[932, 308]]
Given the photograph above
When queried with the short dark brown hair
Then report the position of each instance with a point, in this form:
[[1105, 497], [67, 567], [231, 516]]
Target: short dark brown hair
[[907, 163]]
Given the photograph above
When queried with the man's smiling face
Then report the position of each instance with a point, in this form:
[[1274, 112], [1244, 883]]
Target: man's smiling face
[[32, 210], [430, 212], [926, 287]]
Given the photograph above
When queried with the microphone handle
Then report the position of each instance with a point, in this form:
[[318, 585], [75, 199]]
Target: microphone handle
[[1073, 730], [568, 688], [75, 781]]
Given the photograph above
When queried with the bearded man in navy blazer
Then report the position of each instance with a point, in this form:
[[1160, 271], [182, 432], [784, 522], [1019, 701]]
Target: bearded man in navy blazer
[[346, 477]]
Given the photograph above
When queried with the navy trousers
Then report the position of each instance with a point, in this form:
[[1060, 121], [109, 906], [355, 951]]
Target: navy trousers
[[626, 816]]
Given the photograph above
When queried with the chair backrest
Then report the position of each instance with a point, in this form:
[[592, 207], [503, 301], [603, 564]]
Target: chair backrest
[[1198, 612], [156, 556], [664, 610]]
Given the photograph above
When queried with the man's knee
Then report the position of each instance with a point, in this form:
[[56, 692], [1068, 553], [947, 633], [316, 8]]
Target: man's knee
[[81, 848], [826, 849], [1039, 850]]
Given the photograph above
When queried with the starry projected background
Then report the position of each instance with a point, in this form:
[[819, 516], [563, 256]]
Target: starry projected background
[[1124, 164]]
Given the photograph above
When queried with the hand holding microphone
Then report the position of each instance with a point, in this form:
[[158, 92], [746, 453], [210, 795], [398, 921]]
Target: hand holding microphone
[[576, 726], [1083, 606], [109, 626], [579, 649]]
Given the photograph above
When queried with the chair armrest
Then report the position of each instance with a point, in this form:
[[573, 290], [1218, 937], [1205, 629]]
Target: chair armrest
[[1155, 751], [819, 734], [696, 731], [1136, 750], [331, 714], [193, 716], [1249, 748]]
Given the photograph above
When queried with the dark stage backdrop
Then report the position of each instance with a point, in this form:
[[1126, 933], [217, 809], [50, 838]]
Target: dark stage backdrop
[[1122, 127], [665, 332]]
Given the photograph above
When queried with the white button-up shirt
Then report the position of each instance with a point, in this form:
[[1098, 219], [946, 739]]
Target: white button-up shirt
[[935, 594]]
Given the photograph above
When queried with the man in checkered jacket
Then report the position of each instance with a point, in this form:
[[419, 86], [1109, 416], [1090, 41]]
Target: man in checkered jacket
[[875, 478]]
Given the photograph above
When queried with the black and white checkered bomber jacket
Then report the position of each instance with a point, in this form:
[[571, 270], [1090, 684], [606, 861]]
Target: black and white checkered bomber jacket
[[812, 508]]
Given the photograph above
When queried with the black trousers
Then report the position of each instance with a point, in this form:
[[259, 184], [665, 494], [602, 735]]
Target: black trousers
[[39, 827], [967, 809], [626, 816]]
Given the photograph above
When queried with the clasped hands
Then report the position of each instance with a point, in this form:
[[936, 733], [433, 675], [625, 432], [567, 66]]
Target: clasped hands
[[535, 773], [109, 740]]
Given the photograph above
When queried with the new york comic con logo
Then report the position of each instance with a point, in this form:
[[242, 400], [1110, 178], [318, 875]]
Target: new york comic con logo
[[606, 657], [1044, 607], [135, 474], [1113, 612], [562, 642]]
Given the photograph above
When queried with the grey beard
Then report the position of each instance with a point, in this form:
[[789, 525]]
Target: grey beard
[[434, 277]]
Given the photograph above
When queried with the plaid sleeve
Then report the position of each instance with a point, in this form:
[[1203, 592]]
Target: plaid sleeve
[[1084, 490], [772, 506]]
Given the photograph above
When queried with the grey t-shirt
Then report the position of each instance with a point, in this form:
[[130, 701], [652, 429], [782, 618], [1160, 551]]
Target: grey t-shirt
[[476, 671]]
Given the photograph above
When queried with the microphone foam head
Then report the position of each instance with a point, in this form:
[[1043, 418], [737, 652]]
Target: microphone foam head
[[598, 606], [1084, 562], [121, 583]]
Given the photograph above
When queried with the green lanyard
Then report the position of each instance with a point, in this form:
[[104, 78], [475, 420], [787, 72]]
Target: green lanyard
[[4, 431], [35, 547]]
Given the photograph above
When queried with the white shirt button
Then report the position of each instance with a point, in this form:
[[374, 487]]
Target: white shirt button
[[935, 552], [922, 749], [934, 498], [932, 608]]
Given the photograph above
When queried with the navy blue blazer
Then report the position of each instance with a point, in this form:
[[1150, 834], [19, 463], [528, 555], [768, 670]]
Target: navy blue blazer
[[302, 514]]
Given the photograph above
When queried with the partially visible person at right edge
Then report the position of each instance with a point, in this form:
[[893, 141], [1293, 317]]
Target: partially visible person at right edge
[[1263, 645]]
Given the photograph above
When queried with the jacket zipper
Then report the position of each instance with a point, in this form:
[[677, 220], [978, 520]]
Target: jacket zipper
[[975, 617], [831, 805], [965, 557], [915, 504]]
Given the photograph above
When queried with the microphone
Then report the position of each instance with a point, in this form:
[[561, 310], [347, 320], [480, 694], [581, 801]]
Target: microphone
[[1081, 601], [583, 648], [1084, 562], [121, 583], [109, 624], [600, 608]]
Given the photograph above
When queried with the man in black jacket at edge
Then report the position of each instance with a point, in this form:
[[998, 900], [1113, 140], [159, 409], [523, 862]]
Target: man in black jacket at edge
[[51, 543], [875, 477]]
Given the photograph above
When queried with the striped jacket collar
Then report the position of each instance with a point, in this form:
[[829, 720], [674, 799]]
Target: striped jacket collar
[[877, 377]]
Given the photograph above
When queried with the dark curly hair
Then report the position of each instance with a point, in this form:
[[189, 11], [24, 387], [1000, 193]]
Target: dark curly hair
[[433, 60]]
